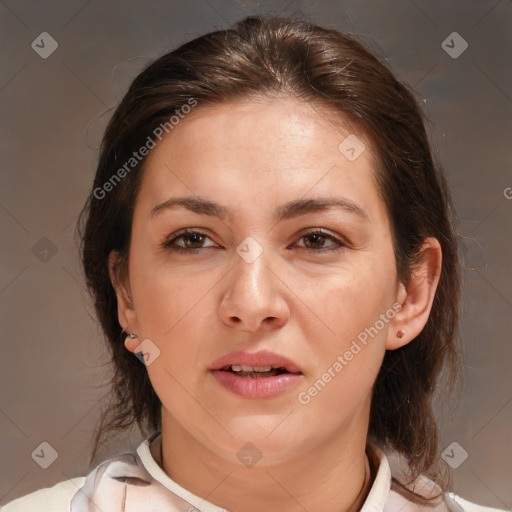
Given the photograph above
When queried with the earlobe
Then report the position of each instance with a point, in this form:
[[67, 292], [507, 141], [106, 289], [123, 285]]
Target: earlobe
[[131, 342], [417, 297], [125, 309]]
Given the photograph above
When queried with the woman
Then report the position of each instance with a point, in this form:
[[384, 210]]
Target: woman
[[269, 235]]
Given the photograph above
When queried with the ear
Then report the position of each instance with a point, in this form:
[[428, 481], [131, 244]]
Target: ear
[[126, 313], [417, 297]]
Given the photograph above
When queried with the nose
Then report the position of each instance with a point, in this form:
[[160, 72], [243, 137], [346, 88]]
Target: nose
[[254, 298]]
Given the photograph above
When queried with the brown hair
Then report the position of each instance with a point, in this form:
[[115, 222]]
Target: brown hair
[[268, 56]]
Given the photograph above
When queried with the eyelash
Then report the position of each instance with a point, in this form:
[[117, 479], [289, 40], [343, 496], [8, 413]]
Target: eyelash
[[169, 243]]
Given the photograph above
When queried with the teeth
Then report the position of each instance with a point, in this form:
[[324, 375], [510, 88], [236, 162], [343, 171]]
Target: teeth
[[262, 368], [243, 368]]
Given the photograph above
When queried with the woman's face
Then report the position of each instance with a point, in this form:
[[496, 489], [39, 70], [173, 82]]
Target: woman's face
[[253, 274]]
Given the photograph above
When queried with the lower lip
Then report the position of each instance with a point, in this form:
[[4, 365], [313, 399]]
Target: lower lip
[[257, 387]]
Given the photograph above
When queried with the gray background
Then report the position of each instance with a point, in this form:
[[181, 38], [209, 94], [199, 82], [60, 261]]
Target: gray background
[[53, 114]]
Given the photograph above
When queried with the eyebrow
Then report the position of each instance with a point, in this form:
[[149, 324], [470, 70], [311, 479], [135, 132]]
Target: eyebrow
[[289, 210]]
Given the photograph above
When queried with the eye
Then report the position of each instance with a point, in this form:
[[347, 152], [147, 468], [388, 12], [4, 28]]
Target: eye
[[187, 241], [190, 241], [315, 240]]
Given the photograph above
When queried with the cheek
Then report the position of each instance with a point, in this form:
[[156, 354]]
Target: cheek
[[174, 311], [348, 336], [345, 364], [171, 314], [348, 300], [168, 296]]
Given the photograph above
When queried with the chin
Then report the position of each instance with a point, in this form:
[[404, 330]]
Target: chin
[[266, 438]]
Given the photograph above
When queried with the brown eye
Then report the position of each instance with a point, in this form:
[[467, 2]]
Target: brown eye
[[192, 239], [187, 241], [316, 240]]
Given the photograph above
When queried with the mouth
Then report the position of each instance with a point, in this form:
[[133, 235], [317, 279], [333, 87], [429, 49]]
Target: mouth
[[255, 372], [255, 364], [262, 374]]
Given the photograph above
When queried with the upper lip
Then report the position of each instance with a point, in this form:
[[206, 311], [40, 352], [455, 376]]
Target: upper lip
[[261, 358]]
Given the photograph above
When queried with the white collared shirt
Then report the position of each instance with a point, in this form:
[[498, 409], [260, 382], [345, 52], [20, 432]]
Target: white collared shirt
[[135, 481]]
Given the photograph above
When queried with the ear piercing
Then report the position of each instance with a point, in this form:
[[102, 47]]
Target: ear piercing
[[400, 333], [129, 338]]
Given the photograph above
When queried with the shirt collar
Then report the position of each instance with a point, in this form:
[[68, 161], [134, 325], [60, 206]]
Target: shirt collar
[[378, 495], [375, 501], [153, 468]]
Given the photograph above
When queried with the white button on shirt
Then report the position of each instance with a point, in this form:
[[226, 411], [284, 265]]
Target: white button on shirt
[[135, 481]]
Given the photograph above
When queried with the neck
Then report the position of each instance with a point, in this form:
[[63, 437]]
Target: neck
[[332, 477]]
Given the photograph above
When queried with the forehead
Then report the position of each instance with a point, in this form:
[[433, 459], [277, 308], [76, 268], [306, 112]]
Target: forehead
[[276, 131], [265, 150]]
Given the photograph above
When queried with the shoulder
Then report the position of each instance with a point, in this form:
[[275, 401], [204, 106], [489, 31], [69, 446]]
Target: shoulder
[[105, 488], [468, 506], [402, 491], [104, 482], [49, 499], [449, 502]]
